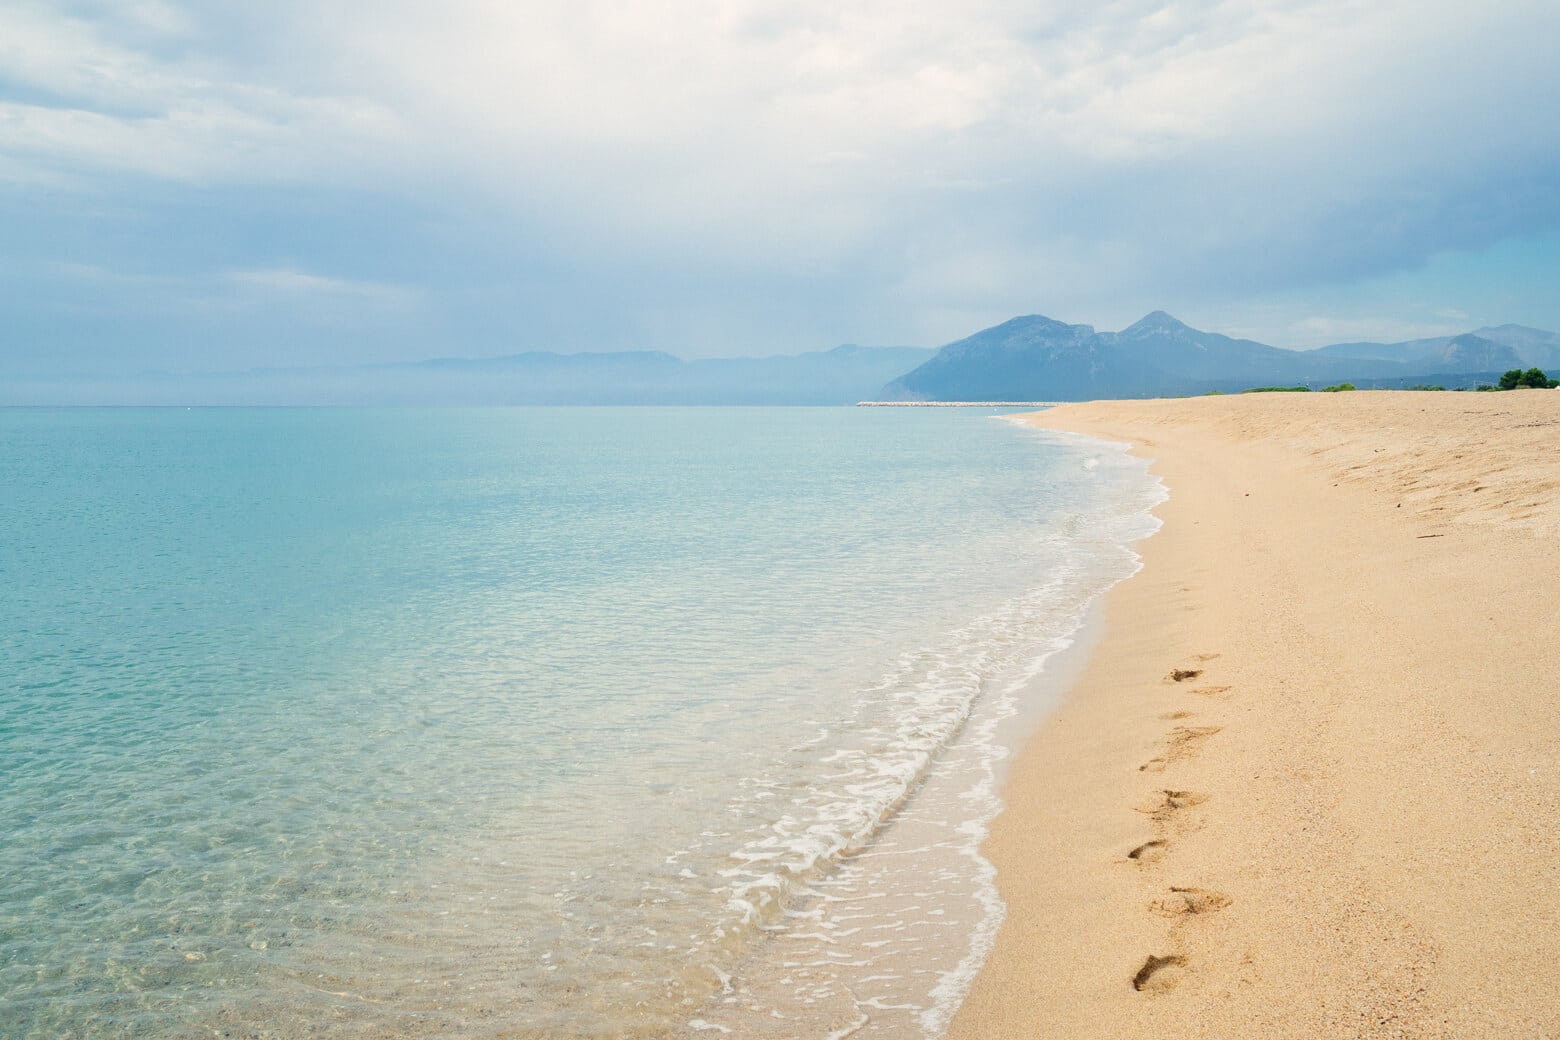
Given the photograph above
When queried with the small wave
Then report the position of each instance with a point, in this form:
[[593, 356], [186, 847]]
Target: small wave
[[926, 699], [900, 726]]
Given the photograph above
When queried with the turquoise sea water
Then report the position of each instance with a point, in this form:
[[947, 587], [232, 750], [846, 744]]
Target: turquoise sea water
[[510, 722]]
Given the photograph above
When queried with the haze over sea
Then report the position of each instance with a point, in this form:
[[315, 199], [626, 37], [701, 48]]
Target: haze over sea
[[521, 722]]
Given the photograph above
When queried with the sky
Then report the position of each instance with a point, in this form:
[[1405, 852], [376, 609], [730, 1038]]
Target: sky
[[211, 186]]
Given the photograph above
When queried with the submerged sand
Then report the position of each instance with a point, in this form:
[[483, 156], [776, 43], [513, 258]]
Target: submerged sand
[[1309, 784]]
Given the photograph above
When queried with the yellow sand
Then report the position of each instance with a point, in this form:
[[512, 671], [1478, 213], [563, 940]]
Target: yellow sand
[[1348, 824]]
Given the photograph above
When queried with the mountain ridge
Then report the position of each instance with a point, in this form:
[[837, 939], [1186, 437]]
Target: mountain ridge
[[1531, 347], [837, 376], [1028, 357], [1035, 357]]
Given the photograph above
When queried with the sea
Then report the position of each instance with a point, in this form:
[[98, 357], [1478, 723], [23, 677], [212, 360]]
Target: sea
[[524, 722]]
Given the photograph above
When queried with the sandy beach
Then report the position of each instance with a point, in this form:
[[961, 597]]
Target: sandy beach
[[1309, 783]]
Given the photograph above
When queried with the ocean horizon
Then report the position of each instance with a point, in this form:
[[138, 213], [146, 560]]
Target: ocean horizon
[[523, 722]]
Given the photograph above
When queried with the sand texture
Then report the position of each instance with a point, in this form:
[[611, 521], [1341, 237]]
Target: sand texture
[[1309, 783]]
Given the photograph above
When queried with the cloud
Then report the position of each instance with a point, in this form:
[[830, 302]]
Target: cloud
[[1254, 143], [289, 282], [119, 95], [710, 175]]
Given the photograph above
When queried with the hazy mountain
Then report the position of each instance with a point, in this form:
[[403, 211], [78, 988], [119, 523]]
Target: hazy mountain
[[843, 375], [1035, 358], [1176, 351], [1471, 353], [1492, 348], [1038, 359], [1410, 350], [1001, 363], [1535, 347], [1032, 358]]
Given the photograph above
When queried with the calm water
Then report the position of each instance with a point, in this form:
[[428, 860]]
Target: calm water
[[519, 722]]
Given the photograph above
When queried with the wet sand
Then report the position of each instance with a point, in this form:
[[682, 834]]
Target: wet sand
[[1309, 783]]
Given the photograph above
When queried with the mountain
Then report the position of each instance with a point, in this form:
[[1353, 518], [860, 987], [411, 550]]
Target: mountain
[[1536, 348], [1036, 358], [1030, 358], [1173, 350], [1471, 353], [1488, 349], [1401, 352], [843, 375], [999, 363]]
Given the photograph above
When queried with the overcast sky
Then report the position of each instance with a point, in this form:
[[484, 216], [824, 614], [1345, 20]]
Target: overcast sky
[[218, 185]]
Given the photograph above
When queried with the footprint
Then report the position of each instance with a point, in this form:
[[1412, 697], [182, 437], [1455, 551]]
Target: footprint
[[1183, 743], [1211, 691], [1180, 799], [1150, 851], [1184, 674], [1175, 716], [1158, 973], [1164, 804], [1185, 739], [1186, 902]]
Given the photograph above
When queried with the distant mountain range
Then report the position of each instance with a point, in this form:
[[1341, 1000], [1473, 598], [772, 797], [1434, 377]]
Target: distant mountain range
[[1036, 358], [844, 375], [1032, 358], [1504, 347]]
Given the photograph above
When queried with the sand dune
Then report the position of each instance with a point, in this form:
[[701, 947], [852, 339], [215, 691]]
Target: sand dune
[[1309, 784]]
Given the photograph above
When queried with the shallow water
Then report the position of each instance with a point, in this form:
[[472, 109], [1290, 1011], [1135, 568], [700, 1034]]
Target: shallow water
[[527, 722]]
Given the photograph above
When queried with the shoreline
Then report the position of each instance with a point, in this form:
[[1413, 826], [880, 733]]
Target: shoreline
[[1345, 823], [886, 940]]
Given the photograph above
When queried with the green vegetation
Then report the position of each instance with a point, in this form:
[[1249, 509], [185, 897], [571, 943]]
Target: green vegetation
[[1338, 387], [1278, 390], [1533, 378], [1425, 386]]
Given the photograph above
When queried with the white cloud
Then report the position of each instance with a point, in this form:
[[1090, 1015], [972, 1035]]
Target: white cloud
[[285, 287], [97, 103], [703, 110], [943, 161], [285, 282]]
